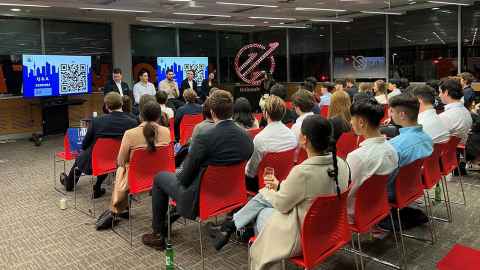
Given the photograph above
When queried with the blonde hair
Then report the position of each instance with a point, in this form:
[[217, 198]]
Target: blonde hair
[[340, 105], [190, 95], [364, 87], [275, 108], [381, 87]]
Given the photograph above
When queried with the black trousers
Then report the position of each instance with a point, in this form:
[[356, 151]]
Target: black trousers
[[165, 186], [72, 178]]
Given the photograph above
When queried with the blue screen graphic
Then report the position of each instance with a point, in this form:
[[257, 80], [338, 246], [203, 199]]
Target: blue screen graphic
[[56, 75], [180, 66]]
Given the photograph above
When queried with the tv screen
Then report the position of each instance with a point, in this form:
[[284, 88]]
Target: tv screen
[[56, 75], [180, 66]]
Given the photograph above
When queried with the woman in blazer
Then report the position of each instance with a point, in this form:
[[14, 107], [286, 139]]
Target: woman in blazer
[[279, 209]]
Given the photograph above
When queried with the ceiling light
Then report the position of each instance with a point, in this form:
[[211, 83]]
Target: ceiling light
[[23, 5], [15, 9], [273, 18], [245, 4], [179, 0], [288, 26], [116, 10], [319, 9], [448, 3], [332, 20], [381, 12], [164, 21], [232, 24], [202, 14]]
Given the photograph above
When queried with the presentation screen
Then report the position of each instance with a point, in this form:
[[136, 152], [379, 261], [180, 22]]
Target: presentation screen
[[56, 75], [180, 66], [362, 67]]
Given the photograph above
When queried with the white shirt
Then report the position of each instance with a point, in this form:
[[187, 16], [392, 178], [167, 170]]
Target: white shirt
[[375, 156], [297, 127], [433, 126], [119, 86], [275, 137], [167, 110], [458, 119], [191, 84], [140, 89], [395, 92], [382, 99]]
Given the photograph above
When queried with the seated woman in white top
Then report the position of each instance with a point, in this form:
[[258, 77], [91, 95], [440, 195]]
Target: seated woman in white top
[[380, 90], [278, 210], [162, 98], [375, 156], [143, 87]]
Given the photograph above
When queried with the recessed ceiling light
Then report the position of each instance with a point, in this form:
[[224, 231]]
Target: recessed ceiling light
[[245, 4], [319, 9], [116, 10], [332, 20], [23, 5], [202, 14], [233, 24], [381, 12], [273, 18], [448, 3], [179, 0], [15, 9], [164, 21], [288, 26]]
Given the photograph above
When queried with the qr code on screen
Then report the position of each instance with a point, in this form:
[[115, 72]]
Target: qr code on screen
[[198, 71], [73, 78]]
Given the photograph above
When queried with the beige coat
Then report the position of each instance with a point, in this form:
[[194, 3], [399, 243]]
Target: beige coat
[[280, 237]]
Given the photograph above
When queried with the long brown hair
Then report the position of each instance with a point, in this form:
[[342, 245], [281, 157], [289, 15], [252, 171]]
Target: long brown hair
[[151, 112], [340, 106]]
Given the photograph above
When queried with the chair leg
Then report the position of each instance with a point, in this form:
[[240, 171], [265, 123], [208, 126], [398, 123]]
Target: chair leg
[[169, 229], [93, 199], [201, 244], [394, 231], [355, 254], [284, 265], [463, 191], [447, 199], [429, 216], [74, 189], [130, 222], [404, 251], [362, 264]]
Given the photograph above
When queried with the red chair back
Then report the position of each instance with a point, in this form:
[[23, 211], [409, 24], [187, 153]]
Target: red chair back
[[289, 105], [347, 142], [371, 203], [324, 111], [385, 113], [187, 125], [222, 189], [431, 173], [104, 155], [289, 125], [281, 162], [145, 165], [253, 132], [258, 116], [448, 158], [325, 229], [302, 155], [408, 184], [171, 124]]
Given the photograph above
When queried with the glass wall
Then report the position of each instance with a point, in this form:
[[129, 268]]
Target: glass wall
[[17, 37], [470, 39], [423, 44], [280, 54], [310, 53], [148, 43], [230, 44], [199, 43]]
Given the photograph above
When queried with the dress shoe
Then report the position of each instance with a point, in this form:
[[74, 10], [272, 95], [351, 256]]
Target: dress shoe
[[124, 215], [154, 240], [223, 236], [97, 193], [63, 176], [105, 220]]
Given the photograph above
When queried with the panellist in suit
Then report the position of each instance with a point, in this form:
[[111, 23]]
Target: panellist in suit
[[112, 125], [188, 83], [117, 85], [224, 144]]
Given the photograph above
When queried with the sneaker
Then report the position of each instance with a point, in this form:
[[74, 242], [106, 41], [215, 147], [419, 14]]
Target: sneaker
[[154, 240]]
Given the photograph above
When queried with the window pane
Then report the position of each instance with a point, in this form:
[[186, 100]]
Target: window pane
[[230, 44], [148, 43], [199, 44], [310, 53], [359, 48], [280, 54], [17, 37], [470, 36], [82, 38], [423, 44]]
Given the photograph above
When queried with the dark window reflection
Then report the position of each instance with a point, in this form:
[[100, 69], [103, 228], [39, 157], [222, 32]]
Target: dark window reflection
[[470, 39], [280, 54], [199, 44], [230, 44]]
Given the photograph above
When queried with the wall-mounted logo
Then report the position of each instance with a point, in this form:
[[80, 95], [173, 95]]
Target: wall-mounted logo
[[359, 63], [252, 55]]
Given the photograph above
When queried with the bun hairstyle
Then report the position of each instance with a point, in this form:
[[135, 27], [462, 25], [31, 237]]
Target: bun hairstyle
[[151, 112], [319, 132]]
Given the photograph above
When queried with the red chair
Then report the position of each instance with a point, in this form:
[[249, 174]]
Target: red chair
[[347, 142], [142, 169], [325, 230], [289, 125], [104, 161], [289, 105], [187, 125], [258, 116], [63, 156], [386, 114], [281, 162], [253, 132], [324, 111], [371, 206], [408, 188], [171, 125]]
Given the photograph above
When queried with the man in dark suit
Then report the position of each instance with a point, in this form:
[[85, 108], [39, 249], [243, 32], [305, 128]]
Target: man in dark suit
[[224, 144], [188, 83], [112, 125], [351, 88], [117, 85]]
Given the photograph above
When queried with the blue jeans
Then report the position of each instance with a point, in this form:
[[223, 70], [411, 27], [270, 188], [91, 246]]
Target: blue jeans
[[257, 209]]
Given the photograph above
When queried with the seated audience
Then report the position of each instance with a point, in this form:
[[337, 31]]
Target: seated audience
[[224, 144], [472, 147], [162, 98], [375, 156], [428, 117], [303, 104], [310, 84], [438, 105], [339, 85], [143, 87], [279, 209], [275, 137], [280, 91], [380, 92], [351, 88], [455, 117], [149, 134], [112, 125], [364, 89], [205, 125], [191, 107], [127, 107], [242, 114], [339, 113], [412, 143], [327, 89], [466, 80], [393, 88]]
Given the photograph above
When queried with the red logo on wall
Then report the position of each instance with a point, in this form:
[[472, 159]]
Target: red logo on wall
[[255, 54]]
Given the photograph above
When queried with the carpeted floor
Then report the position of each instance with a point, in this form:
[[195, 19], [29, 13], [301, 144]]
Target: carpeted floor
[[36, 234]]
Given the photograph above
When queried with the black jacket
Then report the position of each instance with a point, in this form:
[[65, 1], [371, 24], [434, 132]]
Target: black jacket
[[352, 91], [111, 125], [205, 89], [224, 144], [185, 85], [111, 86]]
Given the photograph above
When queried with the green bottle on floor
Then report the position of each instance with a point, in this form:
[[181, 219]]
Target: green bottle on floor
[[438, 194], [169, 255]]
